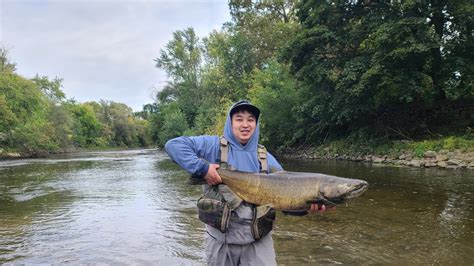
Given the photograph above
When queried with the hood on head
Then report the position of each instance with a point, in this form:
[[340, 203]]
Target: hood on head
[[252, 144], [244, 105]]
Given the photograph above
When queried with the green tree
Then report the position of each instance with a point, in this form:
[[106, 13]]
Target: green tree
[[62, 123], [5, 64], [8, 119], [268, 25], [222, 66], [119, 125], [86, 127], [229, 64], [378, 63], [181, 59], [23, 98], [24, 124], [123, 125], [275, 92], [147, 111], [174, 123], [51, 89], [36, 138]]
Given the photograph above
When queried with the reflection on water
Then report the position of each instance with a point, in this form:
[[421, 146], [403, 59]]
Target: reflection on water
[[407, 216], [134, 207], [101, 207]]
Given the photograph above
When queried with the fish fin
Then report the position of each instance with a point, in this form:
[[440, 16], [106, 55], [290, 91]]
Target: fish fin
[[275, 170], [296, 212], [194, 180], [226, 166], [278, 172], [232, 199], [324, 201]]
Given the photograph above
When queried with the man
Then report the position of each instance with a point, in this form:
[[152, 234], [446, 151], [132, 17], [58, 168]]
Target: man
[[236, 243]]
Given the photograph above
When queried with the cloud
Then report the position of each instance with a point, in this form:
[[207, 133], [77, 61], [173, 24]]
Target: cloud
[[102, 49]]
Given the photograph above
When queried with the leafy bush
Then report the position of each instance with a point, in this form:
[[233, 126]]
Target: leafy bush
[[35, 139], [174, 124]]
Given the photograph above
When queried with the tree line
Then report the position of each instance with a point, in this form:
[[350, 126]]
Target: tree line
[[37, 119], [360, 70], [325, 70]]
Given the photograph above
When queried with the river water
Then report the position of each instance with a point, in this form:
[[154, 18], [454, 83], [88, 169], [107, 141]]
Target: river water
[[134, 207]]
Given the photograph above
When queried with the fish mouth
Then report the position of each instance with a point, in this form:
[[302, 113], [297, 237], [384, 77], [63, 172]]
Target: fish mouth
[[355, 192], [358, 190]]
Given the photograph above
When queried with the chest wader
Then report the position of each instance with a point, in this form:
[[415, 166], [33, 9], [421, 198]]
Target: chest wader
[[216, 205]]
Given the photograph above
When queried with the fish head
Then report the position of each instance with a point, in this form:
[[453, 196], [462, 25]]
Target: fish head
[[337, 190]]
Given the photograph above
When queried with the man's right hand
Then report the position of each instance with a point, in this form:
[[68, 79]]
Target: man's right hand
[[212, 177]]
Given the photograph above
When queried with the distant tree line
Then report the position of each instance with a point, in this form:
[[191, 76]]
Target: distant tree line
[[37, 119], [319, 70], [323, 70]]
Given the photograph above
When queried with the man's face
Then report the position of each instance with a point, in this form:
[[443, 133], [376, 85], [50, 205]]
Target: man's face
[[243, 126]]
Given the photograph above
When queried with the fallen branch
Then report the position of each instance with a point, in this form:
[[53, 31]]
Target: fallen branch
[[399, 132]]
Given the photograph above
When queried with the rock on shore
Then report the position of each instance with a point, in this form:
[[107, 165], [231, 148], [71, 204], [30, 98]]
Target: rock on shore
[[9, 155], [442, 159]]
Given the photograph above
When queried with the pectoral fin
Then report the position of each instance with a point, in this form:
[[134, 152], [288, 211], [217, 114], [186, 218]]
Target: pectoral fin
[[296, 213], [321, 200], [275, 170], [229, 195]]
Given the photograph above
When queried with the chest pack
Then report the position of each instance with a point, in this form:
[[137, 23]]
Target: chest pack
[[216, 206]]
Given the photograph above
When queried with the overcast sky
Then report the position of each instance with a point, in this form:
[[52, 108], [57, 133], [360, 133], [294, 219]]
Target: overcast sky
[[103, 49]]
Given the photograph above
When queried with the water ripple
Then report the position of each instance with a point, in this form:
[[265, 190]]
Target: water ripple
[[134, 207]]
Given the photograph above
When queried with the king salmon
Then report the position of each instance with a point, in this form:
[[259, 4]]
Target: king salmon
[[288, 191]]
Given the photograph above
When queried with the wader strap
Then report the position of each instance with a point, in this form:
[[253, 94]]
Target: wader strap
[[224, 149], [262, 157], [261, 150]]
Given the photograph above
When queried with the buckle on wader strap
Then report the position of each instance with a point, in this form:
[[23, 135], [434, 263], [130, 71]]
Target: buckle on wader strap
[[224, 148], [262, 158]]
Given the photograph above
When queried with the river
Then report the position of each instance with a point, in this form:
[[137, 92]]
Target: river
[[134, 207]]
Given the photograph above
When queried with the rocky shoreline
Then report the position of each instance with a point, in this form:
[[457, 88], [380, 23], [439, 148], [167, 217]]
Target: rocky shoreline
[[9, 155], [456, 159]]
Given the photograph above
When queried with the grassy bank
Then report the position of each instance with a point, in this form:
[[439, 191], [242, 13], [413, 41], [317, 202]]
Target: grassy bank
[[396, 148], [444, 152]]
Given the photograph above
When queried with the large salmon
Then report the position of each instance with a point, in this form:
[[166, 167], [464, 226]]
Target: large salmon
[[292, 190]]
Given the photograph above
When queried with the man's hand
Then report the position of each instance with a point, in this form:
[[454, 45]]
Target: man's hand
[[315, 208], [212, 177]]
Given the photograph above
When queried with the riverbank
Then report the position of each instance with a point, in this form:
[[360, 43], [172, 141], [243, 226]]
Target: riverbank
[[449, 152], [443, 159], [9, 155], [6, 155], [14, 154]]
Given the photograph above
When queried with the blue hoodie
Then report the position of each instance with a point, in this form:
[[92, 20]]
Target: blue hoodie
[[194, 155]]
